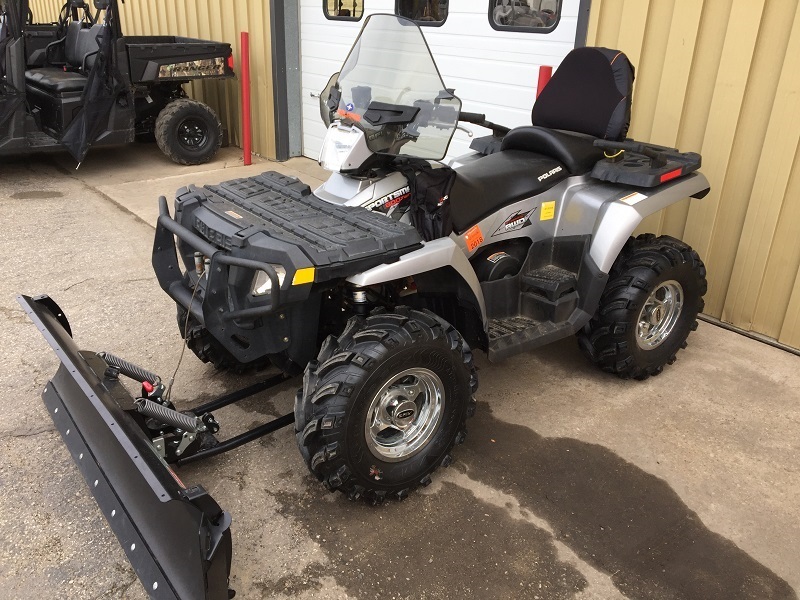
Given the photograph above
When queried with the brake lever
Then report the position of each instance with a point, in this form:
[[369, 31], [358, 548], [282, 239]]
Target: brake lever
[[465, 130]]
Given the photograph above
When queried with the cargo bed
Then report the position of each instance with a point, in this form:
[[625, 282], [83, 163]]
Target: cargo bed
[[174, 58]]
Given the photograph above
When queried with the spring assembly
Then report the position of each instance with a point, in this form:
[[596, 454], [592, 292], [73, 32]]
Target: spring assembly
[[168, 416], [129, 369]]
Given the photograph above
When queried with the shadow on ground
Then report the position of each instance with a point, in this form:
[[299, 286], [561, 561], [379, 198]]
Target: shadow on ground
[[616, 517]]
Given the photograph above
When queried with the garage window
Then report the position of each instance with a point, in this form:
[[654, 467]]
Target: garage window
[[343, 10], [423, 12], [535, 16]]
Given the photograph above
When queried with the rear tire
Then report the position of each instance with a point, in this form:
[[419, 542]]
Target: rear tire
[[188, 132], [385, 403], [648, 309]]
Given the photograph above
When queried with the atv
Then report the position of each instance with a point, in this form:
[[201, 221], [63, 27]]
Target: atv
[[379, 286], [80, 82]]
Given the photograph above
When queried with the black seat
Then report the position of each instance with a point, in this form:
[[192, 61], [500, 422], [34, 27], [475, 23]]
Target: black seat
[[80, 51], [56, 81], [588, 97], [576, 151], [483, 186]]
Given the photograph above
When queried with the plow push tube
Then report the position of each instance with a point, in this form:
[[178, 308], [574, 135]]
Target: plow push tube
[[177, 539]]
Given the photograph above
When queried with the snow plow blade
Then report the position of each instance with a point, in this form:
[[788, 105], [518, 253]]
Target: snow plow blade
[[177, 539]]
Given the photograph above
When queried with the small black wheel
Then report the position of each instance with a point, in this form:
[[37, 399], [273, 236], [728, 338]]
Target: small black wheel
[[384, 404], [208, 349], [649, 307], [189, 132]]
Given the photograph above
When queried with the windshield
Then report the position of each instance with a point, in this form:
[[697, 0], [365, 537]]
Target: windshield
[[390, 88]]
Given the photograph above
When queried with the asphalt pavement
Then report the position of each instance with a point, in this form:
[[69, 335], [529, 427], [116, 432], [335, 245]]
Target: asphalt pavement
[[571, 483]]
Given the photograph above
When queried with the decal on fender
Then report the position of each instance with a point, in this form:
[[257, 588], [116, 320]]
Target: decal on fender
[[548, 210], [474, 238], [633, 198], [390, 200], [518, 220]]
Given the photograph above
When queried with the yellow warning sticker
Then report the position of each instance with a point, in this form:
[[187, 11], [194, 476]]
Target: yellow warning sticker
[[548, 211]]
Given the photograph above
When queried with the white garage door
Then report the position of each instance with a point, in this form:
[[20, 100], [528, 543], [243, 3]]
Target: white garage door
[[493, 72]]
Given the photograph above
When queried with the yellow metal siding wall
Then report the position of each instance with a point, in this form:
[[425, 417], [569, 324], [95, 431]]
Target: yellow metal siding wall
[[722, 77], [45, 11], [219, 21]]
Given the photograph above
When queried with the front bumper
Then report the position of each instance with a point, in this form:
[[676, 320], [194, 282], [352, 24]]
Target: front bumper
[[177, 538], [248, 225], [220, 299]]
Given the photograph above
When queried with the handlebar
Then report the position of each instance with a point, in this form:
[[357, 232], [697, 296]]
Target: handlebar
[[480, 119], [469, 117]]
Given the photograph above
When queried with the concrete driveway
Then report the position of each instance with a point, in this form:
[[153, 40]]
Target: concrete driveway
[[571, 484]]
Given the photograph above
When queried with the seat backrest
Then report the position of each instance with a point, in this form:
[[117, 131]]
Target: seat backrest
[[74, 30], [83, 42], [589, 93]]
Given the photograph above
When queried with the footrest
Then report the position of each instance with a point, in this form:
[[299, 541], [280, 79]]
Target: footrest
[[500, 328], [549, 281], [513, 335]]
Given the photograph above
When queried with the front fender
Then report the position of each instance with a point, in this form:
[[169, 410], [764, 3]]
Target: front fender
[[433, 255]]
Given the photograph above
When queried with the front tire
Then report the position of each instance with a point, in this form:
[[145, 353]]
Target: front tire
[[649, 307], [188, 132], [384, 404]]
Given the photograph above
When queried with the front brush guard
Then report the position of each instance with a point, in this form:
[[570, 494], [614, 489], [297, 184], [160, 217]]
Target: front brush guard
[[177, 539]]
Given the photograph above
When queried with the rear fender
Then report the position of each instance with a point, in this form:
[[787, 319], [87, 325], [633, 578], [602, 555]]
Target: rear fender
[[619, 218]]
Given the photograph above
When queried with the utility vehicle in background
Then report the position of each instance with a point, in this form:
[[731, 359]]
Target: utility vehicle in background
[[379, 286], [81, 82]]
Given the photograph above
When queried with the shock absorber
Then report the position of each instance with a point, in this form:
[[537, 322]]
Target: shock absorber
[[359, 301]]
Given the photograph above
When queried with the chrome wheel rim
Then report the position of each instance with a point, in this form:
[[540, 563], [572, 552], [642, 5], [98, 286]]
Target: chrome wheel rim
[[659, 315], [404, 414]]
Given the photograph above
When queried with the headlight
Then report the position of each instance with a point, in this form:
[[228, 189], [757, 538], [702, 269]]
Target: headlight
[[338, 148], [262, 284]]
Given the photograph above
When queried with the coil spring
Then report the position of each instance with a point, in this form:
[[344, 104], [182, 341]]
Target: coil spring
[[168, 416], [129, 369]]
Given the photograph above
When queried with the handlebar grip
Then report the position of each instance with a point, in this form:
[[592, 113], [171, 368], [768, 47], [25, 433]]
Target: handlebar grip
[[468, 117]]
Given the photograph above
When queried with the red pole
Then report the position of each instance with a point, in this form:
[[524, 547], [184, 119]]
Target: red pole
[[545, 73], [247, 133]]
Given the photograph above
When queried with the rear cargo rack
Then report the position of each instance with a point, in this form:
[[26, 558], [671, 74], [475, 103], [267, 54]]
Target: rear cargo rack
[[642, 165]]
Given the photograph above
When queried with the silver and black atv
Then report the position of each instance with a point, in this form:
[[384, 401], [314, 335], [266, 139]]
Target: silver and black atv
[[380, 284]]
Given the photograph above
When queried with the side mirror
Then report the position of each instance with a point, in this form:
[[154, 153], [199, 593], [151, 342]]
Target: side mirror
[[329, 100]]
